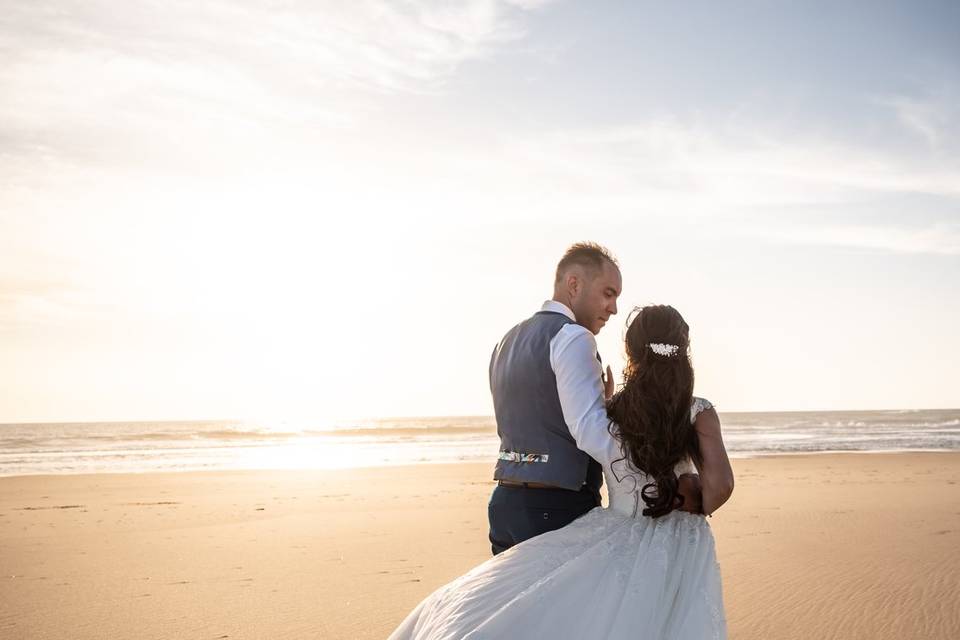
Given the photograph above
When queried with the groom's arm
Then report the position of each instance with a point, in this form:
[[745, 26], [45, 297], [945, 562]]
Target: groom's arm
[[573, 357]]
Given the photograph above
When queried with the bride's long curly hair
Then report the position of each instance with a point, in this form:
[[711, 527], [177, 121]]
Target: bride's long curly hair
[[650, 414]]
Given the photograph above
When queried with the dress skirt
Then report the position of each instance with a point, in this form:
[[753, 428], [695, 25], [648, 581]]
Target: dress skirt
[[607, 575]]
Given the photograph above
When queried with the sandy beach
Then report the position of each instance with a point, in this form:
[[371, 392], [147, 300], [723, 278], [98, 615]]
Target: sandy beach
[[836, 546]]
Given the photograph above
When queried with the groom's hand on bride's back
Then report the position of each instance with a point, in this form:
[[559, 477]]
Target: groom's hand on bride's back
[[688, 486]]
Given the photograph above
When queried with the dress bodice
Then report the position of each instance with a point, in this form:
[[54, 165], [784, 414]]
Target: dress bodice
[[624, 482]]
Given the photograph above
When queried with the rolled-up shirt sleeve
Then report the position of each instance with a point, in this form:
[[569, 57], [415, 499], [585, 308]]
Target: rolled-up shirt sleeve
[[573, 356]]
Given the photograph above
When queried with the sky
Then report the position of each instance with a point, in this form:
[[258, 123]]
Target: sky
[[283, 210]]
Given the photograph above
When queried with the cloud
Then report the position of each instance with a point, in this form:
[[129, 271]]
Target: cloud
[[737, 163], [93, 80], [529, 4], [730, 179], [369, 43], [932, 118], [936, 239], [690, 166], [35, 300], [757, 181], [308, 89]]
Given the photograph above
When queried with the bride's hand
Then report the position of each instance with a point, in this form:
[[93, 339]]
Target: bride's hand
[[688, 486], [608, 384]]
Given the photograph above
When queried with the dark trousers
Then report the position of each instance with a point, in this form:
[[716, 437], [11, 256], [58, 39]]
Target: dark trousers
[[517, 514]]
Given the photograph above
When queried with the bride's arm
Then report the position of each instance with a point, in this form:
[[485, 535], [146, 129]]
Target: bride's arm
[[716, 474]]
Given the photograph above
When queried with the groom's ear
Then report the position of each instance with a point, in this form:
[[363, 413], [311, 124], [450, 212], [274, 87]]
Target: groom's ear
[[574, 280], [569, 282]]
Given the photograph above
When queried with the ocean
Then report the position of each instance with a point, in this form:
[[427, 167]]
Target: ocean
[[123, 447]]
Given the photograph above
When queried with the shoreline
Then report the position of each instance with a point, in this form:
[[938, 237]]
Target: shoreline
[[822, 545], [406, 465]]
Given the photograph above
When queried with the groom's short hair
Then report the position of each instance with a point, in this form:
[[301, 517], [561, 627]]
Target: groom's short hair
[[589, 255]]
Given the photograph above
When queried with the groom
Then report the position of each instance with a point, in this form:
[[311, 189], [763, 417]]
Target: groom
[[544, 482]]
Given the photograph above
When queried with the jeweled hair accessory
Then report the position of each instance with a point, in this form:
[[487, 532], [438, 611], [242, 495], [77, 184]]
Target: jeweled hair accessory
[[668, 350]]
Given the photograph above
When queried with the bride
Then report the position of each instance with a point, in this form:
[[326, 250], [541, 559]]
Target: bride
[[639, 568]]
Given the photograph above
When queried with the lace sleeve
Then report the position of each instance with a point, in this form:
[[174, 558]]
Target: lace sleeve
[[699, 404]]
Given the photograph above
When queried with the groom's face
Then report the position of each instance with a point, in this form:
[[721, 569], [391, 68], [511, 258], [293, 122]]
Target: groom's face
[[597, 300]]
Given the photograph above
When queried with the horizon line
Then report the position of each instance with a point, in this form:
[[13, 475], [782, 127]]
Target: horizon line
[[428, 417]]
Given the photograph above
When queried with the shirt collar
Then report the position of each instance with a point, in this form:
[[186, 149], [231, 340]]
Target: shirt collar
[[558, 307]]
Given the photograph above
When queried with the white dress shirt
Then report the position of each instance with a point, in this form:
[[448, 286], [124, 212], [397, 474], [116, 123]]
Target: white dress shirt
[[573, 358]]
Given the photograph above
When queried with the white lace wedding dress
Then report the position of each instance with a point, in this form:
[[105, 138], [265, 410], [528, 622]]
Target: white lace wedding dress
[[612, 573]]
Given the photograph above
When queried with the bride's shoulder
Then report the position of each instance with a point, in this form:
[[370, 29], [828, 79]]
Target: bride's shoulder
[[698, 406]]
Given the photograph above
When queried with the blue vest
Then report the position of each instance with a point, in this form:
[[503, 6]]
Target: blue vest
[[535, 443]]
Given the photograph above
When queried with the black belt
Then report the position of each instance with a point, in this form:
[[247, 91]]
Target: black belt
[[527, 485]]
